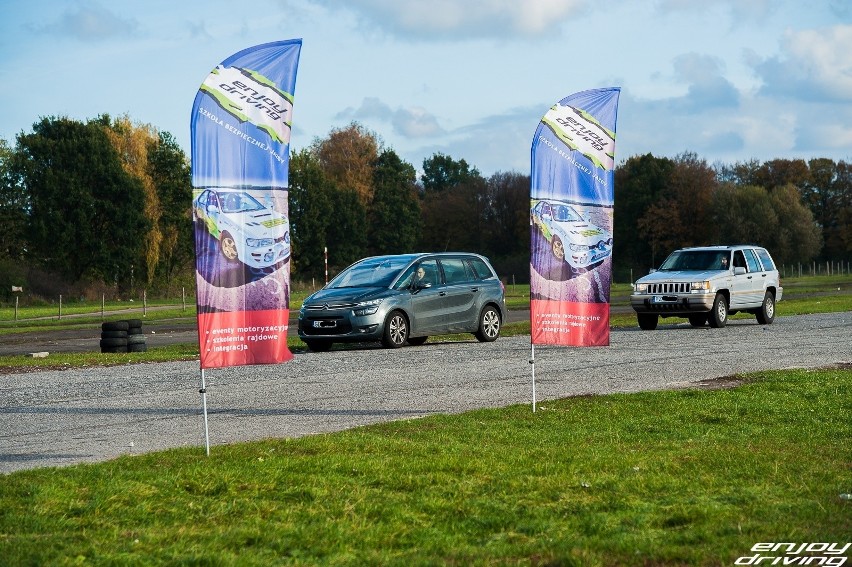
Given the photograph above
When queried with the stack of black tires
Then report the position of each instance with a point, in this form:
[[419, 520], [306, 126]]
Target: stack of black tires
[[123, 336]]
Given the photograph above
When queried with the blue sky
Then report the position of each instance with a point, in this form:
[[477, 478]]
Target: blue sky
[[731, 80]]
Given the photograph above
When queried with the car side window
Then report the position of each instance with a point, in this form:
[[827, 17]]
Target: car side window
[[430, 272], [739, 259], [766, 260], [483, 272], [455, 271], [751, 259]]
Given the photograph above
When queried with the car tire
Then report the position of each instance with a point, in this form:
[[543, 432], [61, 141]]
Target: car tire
[[718, 316], [114, 334], [396, 330], [115, 326], [228, 246], [698, 320], [417, 341], [319, 346], [766, 314], [489, 325], [557, 248], [647, 321]]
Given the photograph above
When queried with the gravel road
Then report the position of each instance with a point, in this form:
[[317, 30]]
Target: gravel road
[[73, 416]]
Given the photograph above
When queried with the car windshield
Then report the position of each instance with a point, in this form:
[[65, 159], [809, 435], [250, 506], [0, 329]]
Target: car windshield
[[373, 272], [563, 213], [696, 261], [239, 203]]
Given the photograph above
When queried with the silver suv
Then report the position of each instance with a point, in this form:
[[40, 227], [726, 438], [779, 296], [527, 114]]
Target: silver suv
[[403, 299], [707, 284]]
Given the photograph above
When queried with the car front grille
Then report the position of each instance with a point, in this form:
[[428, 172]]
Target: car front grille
[[668, 287], [329, 306]]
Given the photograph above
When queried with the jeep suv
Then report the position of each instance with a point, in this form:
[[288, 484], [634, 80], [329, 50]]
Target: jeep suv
[[707, 284]]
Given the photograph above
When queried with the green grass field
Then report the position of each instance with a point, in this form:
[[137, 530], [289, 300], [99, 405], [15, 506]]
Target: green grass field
[[688, 477]]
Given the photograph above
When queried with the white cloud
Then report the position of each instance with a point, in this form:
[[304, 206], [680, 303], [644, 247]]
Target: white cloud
[[89, 22], [499, 19], [816, 65]]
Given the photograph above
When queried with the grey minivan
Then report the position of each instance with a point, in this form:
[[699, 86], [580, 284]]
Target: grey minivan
[[405, 298]]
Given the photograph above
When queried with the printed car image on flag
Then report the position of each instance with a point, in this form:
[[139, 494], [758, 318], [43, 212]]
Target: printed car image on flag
[[571, 220], [241, 121]]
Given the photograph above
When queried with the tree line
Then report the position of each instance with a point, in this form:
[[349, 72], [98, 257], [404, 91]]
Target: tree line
[[105, 206]]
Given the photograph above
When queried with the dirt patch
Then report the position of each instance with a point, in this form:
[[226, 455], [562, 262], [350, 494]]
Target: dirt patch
[[722, 383]]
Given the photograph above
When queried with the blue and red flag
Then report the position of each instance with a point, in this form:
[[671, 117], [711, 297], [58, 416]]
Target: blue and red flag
[[241, 121], [571, 220]]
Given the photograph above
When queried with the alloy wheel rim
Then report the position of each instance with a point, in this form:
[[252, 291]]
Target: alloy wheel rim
[[229, 248], [491, 324], [397, 330], [558, 250]]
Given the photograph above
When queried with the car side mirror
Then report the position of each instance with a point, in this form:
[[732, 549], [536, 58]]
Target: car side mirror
[[739, 270], [546, 216], [652, 270]]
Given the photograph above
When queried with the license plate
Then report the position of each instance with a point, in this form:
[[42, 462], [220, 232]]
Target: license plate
[[324, 324], [660, 299]]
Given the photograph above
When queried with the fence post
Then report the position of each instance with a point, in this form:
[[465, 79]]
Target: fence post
[[60, 306]]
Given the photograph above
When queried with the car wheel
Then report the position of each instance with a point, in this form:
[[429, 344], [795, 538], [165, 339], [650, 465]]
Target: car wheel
[[489, 325], [698, 320], [719, 315], [767, 311], [318, 346], [417, 341], [557, 248], [396, 330], [647, 321], [229, 247]]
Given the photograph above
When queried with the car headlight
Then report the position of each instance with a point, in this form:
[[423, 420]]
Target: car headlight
[[258, 242], [367, 307], [700, 286], [640, 287]]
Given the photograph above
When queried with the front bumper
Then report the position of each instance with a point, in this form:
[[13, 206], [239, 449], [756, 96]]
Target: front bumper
[[585, 258], [266, 256], [342, 326], [673, 304]]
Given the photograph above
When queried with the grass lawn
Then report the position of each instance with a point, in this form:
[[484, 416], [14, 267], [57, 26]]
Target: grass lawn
[[687, 477]]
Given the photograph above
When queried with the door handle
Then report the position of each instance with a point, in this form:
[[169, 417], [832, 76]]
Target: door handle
[[474, 289], [443, 293]]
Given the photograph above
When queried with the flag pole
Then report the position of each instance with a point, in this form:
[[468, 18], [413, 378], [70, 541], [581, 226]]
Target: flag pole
[[532, 362], [203, 392]]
